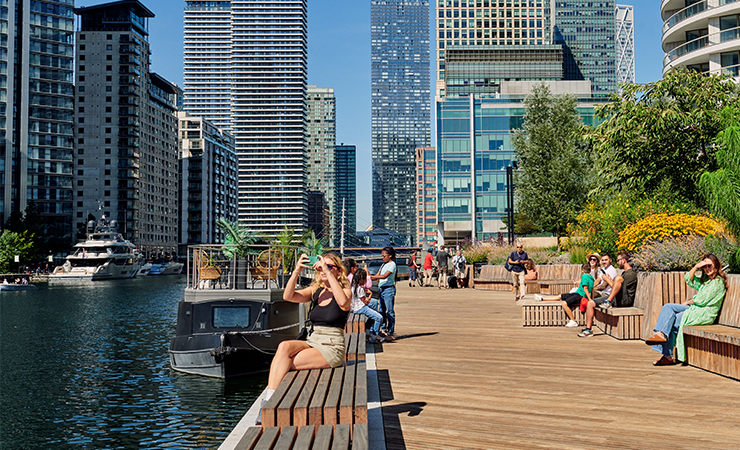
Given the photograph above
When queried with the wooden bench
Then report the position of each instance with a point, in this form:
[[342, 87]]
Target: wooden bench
[[554, 279], [716, 348], [322, 396], [355, 323], [536, 313], [493, 278], [309, 437]]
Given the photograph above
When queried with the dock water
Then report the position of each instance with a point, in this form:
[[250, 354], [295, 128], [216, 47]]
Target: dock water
[[465, 374]]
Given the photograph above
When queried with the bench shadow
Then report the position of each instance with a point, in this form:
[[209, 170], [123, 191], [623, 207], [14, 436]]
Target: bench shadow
[[391, 413], [409, 336]]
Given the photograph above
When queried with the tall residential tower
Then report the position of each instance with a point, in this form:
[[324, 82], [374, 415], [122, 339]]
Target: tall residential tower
[[246, 65], [322, 139], [401, 119]]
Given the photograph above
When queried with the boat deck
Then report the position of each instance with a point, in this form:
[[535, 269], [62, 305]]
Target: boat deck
[[464, 373]]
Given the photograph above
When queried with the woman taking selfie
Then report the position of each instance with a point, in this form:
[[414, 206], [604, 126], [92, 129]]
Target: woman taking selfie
[[331, 298], [701, 309]]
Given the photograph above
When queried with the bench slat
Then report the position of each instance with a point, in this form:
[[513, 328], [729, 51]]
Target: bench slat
[[268, 438], [348, 394], [341, 437], [268, 411], [300, 410], [331, 405], [305, 438], [286, 439], [250, 438], [286, 405], [360, 437], [323, 437], [316, 408]]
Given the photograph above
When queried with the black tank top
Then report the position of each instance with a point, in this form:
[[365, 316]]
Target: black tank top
[[330, 315]]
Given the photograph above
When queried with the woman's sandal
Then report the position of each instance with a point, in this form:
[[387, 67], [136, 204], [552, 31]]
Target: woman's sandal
[[664, 361]]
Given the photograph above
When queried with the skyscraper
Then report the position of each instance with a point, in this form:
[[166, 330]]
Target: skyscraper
[[36, 112], [346, 192], [400, 108], [245, 70], [126, 164], [625, 38], [322, 139]]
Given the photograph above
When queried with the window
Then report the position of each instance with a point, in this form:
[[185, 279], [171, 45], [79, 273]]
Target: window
[[79, 214], [79, 193], [82, 77], [80, 183], [107, 202], [108, 78], [81, 109], [80, 140], [108, 89], [82, 46], [81, 120], [109, 47], [107, 120], [107, 99], [82, 67], [109, 37], [80, 130], [107, 130], [80, 161], [80, 151], [108, 141], [231, 316], [81, 99], [109, 57], [108, 109], [107, 151], [107, 194], [82, 57], [82, 37], [107, 182], [80, 172], [108, 68], [79, 204], [81, 88], [107, 171], [107, 162]]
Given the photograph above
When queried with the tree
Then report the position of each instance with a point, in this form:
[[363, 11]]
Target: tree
[[239, 239], [11, 244], [553, 178], [284, 239], [30, 221], [659, 137]]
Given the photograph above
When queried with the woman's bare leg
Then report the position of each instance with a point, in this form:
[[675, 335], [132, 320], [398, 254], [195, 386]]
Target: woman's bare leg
[[283, 360]]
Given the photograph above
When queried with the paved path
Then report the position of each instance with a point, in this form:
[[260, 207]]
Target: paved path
[[465, 374]]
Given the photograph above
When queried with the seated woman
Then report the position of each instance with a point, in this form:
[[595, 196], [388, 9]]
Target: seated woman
[[331, 299], [702, 309], [531, 270]]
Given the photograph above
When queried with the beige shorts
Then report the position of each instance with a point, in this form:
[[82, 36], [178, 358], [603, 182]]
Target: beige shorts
[[459, 273], [329, 341]]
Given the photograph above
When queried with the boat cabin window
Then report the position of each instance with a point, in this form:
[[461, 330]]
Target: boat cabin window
[[231, 316]]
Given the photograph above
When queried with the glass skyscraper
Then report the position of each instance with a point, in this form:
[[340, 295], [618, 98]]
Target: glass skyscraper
[[246, 65], [322, 140], [625, 39], [346, 192], [400, 108], [36, 112]]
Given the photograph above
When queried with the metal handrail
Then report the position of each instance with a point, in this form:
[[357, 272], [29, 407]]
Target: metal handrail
[[700, 43]]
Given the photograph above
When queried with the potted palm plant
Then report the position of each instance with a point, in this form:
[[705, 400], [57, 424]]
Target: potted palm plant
[[238, 245], [285, 239]]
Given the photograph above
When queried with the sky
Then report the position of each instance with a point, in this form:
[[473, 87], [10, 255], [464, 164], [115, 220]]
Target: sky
[[339, 57]]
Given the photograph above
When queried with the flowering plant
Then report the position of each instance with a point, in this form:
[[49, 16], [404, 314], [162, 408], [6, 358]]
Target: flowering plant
[[682, 252], [657, 227]]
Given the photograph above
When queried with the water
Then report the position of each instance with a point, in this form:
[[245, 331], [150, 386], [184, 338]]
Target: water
[[86, 367]]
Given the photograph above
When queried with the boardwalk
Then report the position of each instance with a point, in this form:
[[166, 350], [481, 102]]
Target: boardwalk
[[466, 374]]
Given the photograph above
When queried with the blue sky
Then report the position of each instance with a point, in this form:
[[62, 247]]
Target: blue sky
[[339, 57]]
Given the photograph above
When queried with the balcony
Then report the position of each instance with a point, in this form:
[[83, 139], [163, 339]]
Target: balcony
[[128, 153], [698, 50], [684, 14]]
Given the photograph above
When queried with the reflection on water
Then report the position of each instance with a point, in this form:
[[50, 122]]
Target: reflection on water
[[86, 366]]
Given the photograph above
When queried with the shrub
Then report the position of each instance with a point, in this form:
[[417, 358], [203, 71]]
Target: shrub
[[682, 252], [658, 227], [476, 253], [577, 254], [599, 224]]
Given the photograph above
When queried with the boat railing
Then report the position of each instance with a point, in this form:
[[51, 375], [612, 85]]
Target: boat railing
[[214, 266]]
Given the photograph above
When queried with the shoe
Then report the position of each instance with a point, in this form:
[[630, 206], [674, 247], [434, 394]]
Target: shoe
[[606, 304], [259, 412], [586, 332], [382, 334], [664, 361], [571, 324], [538, 297], [657, 339], [389, 338], [376, 339]]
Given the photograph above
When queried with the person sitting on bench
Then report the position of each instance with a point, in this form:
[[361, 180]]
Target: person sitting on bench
[[701, 309], [572, 300], [622, 293]]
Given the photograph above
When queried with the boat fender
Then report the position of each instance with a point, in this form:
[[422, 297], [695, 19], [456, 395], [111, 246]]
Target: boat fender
[[220, 352]]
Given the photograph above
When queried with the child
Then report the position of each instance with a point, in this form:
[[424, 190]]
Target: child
[[363, 303], [571, 301]]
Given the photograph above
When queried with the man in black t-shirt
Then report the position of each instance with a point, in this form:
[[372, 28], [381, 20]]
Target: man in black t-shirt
[[516, 259], [623, 292]]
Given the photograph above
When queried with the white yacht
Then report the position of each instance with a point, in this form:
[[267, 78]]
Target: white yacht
[[104, 255]]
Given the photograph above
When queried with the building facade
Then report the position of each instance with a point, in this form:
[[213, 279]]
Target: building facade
[[322, 139], [246, 66], [426, 199], [474, 148], [208, 172], [126, 150], [318, 215], [400, 105], [625, 38], [346, 199], [702, 36], [36, 113]]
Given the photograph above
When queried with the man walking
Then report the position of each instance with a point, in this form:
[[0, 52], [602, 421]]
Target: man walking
[[458, 262], [516, 259], [442, 258]]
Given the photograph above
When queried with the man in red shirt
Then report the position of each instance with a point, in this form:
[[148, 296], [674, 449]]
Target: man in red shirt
[[428, 268]]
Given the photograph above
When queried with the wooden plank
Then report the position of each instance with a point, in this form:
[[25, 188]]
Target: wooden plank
[[269, 410], [323, 438], [250, 438], [316, 407], [351, 343], [341, 437], [331, 405], [305, 438], [300, 409], [360, 437], [361, 346], [730, 313], [284, 410], [347, 397], [269, 437], [286, 439]]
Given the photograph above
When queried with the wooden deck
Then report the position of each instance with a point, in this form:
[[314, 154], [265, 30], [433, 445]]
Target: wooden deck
[[465, 374]]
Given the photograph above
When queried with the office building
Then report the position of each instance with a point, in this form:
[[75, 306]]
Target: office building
[[400, 108], [625, 38], [36, 113], [426, 199], [318, 215], [702, 36], [322, 138], [474, 149], [208, 171], [346, 199], [126, 153], [246, 66]]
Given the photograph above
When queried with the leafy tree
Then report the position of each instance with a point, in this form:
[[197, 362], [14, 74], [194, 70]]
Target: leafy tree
[[312, 246], [658, 137], [722, 187], [13, 243], [553, 178], [30, 221], [522, 224], [285, 239], [239, 239]]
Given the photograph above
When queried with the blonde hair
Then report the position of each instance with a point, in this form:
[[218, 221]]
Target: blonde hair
[[318, 283]]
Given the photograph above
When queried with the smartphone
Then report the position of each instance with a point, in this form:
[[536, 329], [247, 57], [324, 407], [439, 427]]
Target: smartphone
[[312, 260]]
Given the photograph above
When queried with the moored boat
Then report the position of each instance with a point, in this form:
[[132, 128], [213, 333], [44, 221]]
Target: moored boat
[[17, 287]]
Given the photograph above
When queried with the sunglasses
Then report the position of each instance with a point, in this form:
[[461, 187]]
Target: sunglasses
[[593, 259], [329, 266]]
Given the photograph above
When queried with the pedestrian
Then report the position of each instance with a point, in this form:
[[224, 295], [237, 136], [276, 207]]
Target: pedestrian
[[516, 259], [387, 284], [412, 269], [428, 268], [442, 257], [458, 262]]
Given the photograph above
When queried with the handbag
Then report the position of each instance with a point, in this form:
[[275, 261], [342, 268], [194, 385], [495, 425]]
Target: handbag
[[508, 266]]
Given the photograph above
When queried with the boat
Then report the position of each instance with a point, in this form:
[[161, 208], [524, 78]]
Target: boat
[[226, 328], [17, 287], [169, 268], [104, 255]]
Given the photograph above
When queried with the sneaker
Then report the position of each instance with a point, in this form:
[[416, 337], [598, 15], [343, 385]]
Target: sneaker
[[259, 412], [375, 339], [538, 297], [571, 324], [389, 338], [606, 304], [586, 333]]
